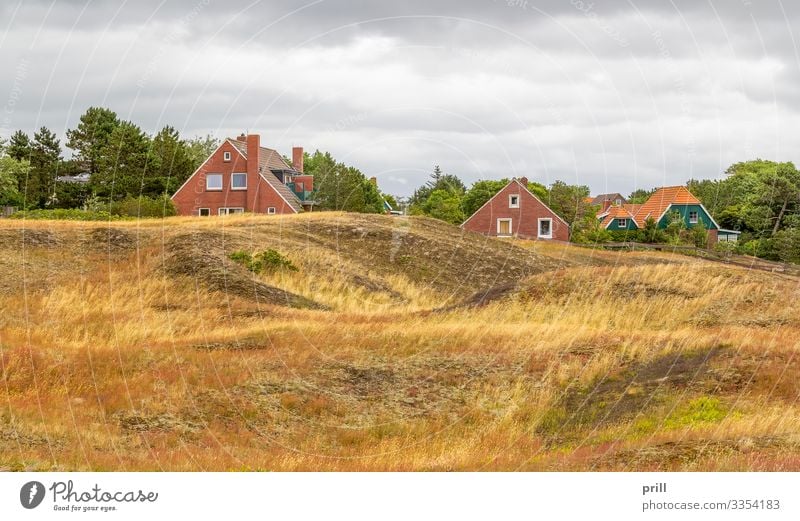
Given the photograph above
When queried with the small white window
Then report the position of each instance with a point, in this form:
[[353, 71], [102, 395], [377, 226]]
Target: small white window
[[622, 223], [546, 228], [513, 201], [213, 181], [271, 210], [238, 181], [230, 211], [503, 227], [692, 217], [204, 212], [226, 156], [618, 202]]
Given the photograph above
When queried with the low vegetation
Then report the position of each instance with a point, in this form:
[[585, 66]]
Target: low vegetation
[[394, 344]]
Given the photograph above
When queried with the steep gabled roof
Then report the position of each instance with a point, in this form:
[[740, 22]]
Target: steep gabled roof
[[599, 199], [616, 212], [268, 161], [523, 187], [661, 199]]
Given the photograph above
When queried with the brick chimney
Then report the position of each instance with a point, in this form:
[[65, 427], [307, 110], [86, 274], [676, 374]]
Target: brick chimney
[[524, 181], [606, 204], [253, 164], [297, 158], [241, 138]]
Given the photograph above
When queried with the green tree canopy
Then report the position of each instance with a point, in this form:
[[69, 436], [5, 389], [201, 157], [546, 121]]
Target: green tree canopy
[[122, 163], [568, 201], [341, 187], [90, 138]]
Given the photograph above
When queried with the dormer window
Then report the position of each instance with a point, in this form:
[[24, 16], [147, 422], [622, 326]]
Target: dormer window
[[622, 223], [618, 202], [226, 156], [513, 201], [692, 217]]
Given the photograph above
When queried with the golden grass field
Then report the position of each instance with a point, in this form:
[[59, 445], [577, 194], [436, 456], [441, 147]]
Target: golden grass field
[[398, 344]]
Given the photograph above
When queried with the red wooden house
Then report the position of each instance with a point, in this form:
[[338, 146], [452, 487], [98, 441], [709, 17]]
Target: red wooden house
[[515, 212], [242, 176]]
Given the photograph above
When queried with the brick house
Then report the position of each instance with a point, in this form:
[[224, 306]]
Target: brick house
[[515, 212], [242, 176]]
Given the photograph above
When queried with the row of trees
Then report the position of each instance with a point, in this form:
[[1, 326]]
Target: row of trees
[[122, 161]]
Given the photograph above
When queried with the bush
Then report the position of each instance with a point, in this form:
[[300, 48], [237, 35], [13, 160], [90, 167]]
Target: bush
[[143, 207], [725, 247], [71, 214], [268, 260]]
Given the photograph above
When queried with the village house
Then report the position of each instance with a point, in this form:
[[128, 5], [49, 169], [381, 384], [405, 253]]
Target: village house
[[659, 206], [515, 212], [242, 176]]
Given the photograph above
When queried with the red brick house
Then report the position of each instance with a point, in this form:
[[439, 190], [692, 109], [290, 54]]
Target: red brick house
[[515, 212], [242, 176]]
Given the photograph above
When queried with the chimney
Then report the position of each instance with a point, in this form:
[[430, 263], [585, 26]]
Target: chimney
[[524, 181], [606, 204], [253, 165], [297, 159], [241, 138]]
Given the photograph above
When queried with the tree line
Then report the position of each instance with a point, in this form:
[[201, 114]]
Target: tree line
[[759, 198]]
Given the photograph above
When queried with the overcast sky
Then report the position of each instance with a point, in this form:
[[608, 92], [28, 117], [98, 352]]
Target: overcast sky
[[609, 93]]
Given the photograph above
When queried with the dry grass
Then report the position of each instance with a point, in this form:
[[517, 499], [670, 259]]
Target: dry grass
[[141, 346]]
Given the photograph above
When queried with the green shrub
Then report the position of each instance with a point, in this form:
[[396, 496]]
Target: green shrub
[[698, 411], [268, 260], [71, 214], [143, 207]]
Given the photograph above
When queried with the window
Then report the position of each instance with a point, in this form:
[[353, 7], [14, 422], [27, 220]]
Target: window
[[503, 227], [226, 156], [513, 201], [622, 223], [204, 212], [230, 211], [271, 210], [213, 181], [618, 202], [546, 228], [238, 181], [692, 217]]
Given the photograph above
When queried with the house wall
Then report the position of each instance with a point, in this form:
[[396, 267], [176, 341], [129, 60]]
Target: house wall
[[524, 220], [684, 210], [631, 225], [193, 195]]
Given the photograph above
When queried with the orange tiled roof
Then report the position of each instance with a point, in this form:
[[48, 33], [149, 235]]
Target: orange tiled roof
[[615, 212], [660, 201]]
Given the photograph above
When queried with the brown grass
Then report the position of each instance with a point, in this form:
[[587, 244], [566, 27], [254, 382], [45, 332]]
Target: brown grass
[[141, 346]]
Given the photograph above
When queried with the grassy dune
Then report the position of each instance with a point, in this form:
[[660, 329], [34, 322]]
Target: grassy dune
[[398, 344]]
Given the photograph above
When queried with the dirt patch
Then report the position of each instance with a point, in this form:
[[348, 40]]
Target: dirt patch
[[632, 390], [111, 239], [139, 422], [203, 257], [635, 289], [29, 238]]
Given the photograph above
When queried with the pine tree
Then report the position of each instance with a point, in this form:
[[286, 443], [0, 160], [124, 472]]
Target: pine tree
[[169, 164], [91, 136], [19, 146], [122, 163], [44, 157]]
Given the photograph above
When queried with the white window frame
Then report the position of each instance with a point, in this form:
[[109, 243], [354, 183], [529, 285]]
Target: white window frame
[[539, 228], [618, 202], [622, 222], [245, 181], [271, 210], [226, 156], [510, 203], [200, 212], [221, 183], [510, 227], [696, 217], [230, 210]]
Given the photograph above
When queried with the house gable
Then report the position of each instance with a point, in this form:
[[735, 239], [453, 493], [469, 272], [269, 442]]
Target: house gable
[[501, 216], [261, 195], [685, 210]]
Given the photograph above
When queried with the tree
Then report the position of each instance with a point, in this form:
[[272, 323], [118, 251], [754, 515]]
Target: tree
[[169, 164], [122, 163], [650, 233], [90, 138], [479, 193], [19, 146], [341, 187], [675, 226], [438, 181], [199, 148], [11, 171], [767, 192], [441, 204], [640, 195], [699, 235], [568, 201], [45, 157]]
